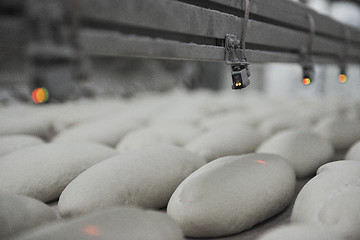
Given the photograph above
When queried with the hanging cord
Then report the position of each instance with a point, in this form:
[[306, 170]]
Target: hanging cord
[[312, 33], [347, 44], [307, 52], [244, 27]]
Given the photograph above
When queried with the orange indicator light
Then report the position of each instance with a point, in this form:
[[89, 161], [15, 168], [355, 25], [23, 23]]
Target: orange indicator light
[[306, 81], [91, 230], [261, 161], [40, 95], [342, 78]]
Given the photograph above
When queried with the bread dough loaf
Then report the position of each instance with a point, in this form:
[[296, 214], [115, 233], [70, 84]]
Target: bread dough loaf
[[332, 199], [26, 119], [281, 122], [300, 232], [225, 141], [171, 134], [11, 143], [43, 171], [108, 130], [341, 132], [19, 213], [144, 178], [354, 152], [121, 223], [305, 150], [232, 194]]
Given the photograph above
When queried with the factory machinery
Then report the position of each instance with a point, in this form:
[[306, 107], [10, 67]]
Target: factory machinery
[[56, 35]]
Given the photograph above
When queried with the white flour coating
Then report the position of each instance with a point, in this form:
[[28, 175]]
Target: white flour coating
[[171, 134], [354, 152], [19, 213], [340, 131], [232, 194], [305, 150], [144, 178], [11, 143], [119, 223], [300, 232], [43, 171], [332, 199], [225, 141]]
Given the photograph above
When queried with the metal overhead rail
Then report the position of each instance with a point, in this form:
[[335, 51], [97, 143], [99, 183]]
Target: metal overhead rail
[[196, 30]]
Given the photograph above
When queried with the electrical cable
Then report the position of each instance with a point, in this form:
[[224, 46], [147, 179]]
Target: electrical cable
[[244, 27]]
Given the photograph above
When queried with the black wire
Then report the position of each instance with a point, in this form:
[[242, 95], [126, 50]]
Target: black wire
[[245, 23], [312, 33]]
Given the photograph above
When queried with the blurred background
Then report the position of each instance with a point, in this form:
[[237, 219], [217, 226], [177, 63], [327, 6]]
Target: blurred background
[[126, 76]]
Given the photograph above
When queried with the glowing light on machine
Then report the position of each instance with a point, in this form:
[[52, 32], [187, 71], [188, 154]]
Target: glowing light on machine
[[259, 161], [40, 95], [91, 230], [306, 81], [342, 78]]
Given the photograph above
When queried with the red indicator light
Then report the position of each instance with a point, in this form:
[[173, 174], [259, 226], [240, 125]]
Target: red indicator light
[[306, 81], [342, 78], [261, 161], [40, 95], [91, 230]]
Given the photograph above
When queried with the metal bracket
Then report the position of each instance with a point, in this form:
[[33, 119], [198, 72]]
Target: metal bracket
[[233, 52], [234, 57]]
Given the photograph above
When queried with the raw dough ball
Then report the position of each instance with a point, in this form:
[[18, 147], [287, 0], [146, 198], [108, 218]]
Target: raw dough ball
[[228, 119], [299, 232], [232, 194], [171, 134], [75, 112], [144, 178], [282, 122], [305, 150], [108, 130], [341, 132], [121, 223], [43, 171], [11, 143], [332, 199], [225, 141], [354, 152], [18, 213]]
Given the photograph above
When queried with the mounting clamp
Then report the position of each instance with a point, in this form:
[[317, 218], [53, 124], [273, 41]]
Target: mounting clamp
[[235, 58]]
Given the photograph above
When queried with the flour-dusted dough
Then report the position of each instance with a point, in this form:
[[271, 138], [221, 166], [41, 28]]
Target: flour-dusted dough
[[108, 130], [26, 119], [281, 122], [43, 171], [354, 152], [332, 199], [11, 143], [144, 178], [120, 223], [232, 194], [305, 150], [75, 112], [19, 213], [225, 141], [341, 131], [171, 134], [300, 232]]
